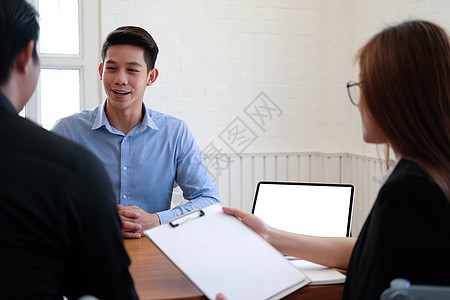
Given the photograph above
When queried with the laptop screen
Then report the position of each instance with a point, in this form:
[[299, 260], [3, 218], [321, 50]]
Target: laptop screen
[[318, 209]]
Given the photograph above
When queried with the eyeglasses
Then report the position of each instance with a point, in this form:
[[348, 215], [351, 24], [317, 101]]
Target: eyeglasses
[[354, 92]]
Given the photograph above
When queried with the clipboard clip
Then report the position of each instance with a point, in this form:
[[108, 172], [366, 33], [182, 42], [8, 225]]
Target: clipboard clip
[[186, 217]]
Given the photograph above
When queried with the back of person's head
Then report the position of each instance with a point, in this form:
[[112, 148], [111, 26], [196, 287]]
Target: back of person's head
[[134, 36], [405, 82], [18, 26]]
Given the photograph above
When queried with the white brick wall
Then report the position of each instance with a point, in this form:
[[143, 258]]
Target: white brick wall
[[216, 56]]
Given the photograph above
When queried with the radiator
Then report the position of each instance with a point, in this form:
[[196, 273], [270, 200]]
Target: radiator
[[237, 175]]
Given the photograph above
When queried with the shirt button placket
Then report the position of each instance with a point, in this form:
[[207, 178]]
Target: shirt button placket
[[124, 159]]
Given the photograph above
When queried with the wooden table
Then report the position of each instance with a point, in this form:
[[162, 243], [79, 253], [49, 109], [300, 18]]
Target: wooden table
[[156, 277]]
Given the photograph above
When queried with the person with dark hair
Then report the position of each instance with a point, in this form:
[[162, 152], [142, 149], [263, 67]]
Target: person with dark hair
[[146, 153], [60, 233], [403, 95]]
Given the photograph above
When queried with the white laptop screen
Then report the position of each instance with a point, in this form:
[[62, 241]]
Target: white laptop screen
[[306, 208]]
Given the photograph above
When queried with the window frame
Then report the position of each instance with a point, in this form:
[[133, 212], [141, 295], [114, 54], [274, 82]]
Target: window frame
[[86, 61]]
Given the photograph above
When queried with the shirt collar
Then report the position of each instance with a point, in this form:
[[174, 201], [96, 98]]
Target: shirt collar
[[100, 117], [148, 120], [6, 105], [102, 120]]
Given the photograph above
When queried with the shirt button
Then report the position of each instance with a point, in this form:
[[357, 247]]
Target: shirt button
[[124, 168], [124, 197]]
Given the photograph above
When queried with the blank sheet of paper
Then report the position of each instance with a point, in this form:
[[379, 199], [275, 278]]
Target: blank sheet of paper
[[222, 255]]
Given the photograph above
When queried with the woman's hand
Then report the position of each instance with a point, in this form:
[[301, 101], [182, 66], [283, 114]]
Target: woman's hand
[[251, 221]]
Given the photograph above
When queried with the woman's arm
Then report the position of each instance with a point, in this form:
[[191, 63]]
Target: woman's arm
[[333, 252]]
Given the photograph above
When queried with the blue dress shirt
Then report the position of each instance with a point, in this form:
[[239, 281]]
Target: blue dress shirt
[[145, 164]]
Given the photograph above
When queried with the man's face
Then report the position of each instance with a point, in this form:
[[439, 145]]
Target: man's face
[[124, 76]]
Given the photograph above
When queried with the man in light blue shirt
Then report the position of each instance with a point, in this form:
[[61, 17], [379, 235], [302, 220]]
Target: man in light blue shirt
[[144, 152]]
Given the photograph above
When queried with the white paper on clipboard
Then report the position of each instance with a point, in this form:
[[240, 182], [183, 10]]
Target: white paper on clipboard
[[220, 254]]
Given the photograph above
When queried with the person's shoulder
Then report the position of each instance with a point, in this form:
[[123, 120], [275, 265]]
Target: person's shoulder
[[87, 115], [409, 182], [54, 148], [164, 119], [77, 124], [407, 171]]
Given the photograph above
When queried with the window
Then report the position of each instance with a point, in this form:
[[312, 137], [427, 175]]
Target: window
[[60, 24], [59, 94], [69, 56]]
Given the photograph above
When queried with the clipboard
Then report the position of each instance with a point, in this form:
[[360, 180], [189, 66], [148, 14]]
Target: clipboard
[[220, 254]]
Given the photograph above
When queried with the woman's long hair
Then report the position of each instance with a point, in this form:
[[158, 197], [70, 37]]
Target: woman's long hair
[[405, 80]]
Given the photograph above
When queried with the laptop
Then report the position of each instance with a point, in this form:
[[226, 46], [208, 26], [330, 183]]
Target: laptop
[[319, 209]]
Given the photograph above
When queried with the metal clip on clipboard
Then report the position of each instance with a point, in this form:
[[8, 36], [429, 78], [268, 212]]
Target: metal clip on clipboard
[[186, 217]]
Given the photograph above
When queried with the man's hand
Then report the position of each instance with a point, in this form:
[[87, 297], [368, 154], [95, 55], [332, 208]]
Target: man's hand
[[135, 220], [221, 296]]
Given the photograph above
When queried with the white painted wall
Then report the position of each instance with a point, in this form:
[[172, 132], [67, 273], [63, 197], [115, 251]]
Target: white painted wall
[[217, 56]]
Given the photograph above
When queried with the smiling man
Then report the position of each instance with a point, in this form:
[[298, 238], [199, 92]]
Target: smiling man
[[146, 153]]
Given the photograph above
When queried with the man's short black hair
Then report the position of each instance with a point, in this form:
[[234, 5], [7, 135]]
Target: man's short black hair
[[134, 36], [18, 26]]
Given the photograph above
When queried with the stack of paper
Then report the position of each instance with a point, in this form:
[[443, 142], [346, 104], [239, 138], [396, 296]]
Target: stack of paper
[[317, 273]]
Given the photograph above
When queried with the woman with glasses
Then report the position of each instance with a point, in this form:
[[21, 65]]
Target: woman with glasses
[[403, 95]]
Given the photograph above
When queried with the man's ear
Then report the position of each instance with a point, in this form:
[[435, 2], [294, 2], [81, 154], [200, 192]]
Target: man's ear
[[24, 56], [100, 70], [152, 76]]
